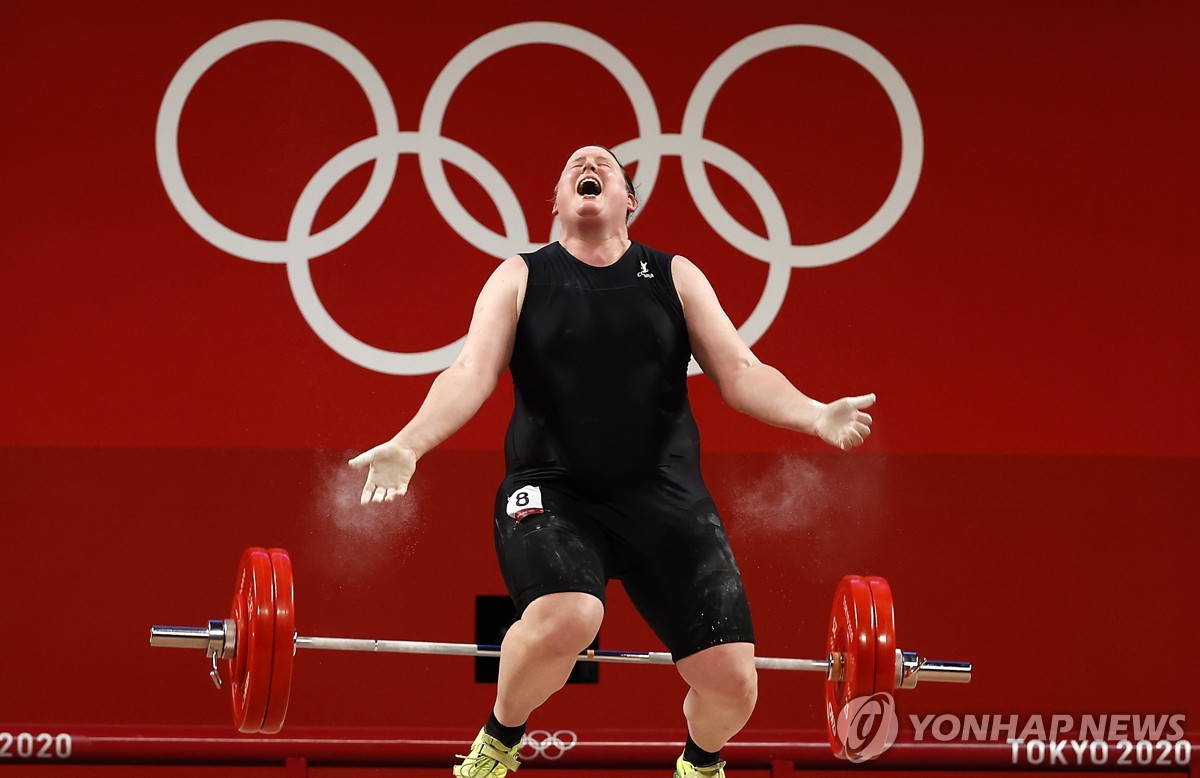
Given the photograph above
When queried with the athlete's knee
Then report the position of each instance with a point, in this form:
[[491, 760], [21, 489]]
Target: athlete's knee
[[738, 685], [726, 672], [564, 622]]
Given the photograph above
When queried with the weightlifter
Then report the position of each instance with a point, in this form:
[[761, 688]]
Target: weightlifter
[[603, 460]]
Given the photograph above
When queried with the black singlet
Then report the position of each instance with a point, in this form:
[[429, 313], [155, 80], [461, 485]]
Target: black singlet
[[599, 369]]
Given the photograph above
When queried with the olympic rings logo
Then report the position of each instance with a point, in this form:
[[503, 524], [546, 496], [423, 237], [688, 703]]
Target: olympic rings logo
[[542, 744], [433, 149]]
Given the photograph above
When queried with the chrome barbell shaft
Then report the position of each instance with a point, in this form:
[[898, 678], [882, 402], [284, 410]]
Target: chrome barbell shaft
[[910, 667], [473, 649]]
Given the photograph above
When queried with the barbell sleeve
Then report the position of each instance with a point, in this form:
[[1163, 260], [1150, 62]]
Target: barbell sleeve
[[218, 639], [910, 668], [944, 671]]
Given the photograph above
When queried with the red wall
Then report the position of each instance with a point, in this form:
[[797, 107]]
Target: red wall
[[1028, 323]]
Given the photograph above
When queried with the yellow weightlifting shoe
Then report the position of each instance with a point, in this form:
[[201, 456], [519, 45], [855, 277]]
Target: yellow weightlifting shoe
[[685, 769], [488, 758]]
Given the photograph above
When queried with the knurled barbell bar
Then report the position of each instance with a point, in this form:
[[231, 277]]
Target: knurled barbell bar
[[258, 642]]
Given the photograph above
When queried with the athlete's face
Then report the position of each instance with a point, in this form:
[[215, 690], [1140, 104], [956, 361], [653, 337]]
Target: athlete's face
[[592, 186]]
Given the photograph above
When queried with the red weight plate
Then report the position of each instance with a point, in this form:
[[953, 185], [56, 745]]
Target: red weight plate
[[285, 643], [851, 638], [254, 611], [239, 616], [885, 635]]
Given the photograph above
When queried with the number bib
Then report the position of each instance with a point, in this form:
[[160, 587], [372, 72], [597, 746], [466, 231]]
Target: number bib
[[526, 501]]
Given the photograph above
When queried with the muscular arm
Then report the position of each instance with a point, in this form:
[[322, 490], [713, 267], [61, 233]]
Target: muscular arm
[[458, 392], [748, 385]]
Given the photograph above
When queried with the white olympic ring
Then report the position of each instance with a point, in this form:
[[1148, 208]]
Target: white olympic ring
[[540, 741], [432, 149]]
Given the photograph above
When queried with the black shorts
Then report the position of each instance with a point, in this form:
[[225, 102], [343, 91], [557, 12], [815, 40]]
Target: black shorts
[[686, 586]]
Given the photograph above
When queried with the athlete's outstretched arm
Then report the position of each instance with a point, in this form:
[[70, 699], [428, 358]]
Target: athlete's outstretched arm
[[458, 392], [752, 387]]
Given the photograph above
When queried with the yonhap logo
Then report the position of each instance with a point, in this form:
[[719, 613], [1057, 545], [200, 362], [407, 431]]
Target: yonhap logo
[[867, 726]]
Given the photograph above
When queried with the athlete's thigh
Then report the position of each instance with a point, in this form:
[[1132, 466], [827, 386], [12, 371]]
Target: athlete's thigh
[[556, 550], [689, 589]]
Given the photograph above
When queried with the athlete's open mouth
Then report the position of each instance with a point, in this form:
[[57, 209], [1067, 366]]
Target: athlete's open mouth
[[588, 185]]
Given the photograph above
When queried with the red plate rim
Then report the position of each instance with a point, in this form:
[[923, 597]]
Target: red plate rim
[[284, 642], [884, 612], [852, 633], [255, 592]]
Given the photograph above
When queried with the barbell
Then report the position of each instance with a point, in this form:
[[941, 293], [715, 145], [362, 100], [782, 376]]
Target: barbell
[[258, 643]]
